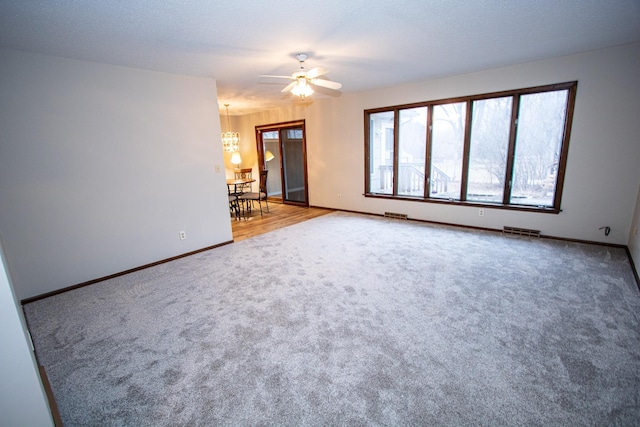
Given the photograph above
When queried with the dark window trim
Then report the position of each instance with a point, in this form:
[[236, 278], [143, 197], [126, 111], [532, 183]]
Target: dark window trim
[[516, 94]]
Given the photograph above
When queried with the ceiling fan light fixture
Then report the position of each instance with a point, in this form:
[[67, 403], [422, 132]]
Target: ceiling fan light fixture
[[302, 89], [230, 140], [302, 80]]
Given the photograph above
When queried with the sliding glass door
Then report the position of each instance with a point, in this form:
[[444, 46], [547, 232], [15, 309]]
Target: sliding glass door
[[282, 151]]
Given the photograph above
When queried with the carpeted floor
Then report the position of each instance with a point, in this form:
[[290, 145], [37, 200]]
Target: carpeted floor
[[350, 319]]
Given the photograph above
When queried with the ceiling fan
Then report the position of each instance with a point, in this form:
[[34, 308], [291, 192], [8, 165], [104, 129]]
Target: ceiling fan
[[303, 79]]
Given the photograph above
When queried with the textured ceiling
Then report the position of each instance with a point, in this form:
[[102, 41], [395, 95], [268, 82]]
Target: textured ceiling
[[365, 44]]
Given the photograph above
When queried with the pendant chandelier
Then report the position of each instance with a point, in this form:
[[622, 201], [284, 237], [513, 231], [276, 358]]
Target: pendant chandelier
[[230, 140]]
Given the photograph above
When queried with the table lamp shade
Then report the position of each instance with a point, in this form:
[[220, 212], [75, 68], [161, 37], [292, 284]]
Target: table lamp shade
[[236, 159], [268, 156]]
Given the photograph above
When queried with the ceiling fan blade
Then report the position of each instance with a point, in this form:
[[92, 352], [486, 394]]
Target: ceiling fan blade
[[316, 72], [277, 77], [326, 83], [289, 87]]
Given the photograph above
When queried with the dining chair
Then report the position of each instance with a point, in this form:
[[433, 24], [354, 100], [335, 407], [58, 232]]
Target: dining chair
[[234, 204], [243, 174], [250, 197]]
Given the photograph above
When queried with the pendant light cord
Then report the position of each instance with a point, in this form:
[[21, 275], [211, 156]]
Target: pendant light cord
[[228, 123]]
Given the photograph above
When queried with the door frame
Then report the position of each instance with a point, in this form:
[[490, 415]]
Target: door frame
[[262, 164]]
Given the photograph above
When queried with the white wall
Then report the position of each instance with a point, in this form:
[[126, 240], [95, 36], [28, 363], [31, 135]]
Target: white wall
[[601, 178], [22, 397], [102, 166]]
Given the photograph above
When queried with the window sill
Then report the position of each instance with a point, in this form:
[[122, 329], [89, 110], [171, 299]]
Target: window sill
[[521, 208]]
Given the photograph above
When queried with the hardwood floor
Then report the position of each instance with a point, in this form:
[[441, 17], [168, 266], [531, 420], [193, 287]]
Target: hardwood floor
[[279, 215]]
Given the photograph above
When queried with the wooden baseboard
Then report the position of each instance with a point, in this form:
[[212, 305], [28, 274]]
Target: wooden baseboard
[[633, 267], [588, 242], [122, 273], [53, 406]]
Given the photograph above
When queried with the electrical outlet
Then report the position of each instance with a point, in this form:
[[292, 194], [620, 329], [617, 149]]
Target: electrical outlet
[[480, 212], [217, 168], [183, 235]]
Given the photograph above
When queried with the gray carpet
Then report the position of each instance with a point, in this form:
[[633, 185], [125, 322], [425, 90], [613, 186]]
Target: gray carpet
[[350, 319]]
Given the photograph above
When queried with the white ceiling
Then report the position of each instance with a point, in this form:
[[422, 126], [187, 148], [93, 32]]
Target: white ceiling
[[365, 44]]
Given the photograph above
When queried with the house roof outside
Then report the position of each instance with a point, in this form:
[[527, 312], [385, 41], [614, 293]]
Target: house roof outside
[[366, 45]]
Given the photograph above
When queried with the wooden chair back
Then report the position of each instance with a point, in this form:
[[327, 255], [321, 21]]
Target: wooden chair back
[[244, 173]]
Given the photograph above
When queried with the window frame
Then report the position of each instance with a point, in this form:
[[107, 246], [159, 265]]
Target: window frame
[[570, 87]]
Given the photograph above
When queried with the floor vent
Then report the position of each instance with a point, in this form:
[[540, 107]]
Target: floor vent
[[395, 215], [521, 231]]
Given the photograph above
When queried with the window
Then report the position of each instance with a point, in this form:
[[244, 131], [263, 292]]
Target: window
[[381, 130], [538, 144], [447, 148], [490, 127], [294, 133], [411, 151], [504, 149]]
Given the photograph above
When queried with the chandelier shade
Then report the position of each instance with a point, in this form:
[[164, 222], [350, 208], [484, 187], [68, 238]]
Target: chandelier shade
[[230, 140]]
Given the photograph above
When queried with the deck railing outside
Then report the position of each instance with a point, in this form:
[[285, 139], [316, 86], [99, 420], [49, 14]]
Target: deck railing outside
[[411, 179]]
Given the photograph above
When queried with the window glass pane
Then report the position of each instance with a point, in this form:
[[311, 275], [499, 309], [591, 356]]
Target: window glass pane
[[411, 151], [294, 133], [490, 127], [270, 135], [538, 144], [381, 152], [447, 146]]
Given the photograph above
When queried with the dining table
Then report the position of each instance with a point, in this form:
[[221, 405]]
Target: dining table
[[240, 182], [237, 184]]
